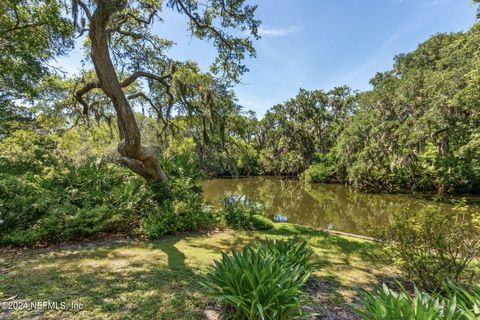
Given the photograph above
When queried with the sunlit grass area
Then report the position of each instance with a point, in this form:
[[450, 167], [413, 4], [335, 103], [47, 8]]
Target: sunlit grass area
[[115, 279]]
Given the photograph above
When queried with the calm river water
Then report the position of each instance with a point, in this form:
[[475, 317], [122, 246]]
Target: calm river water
[[320, 205]]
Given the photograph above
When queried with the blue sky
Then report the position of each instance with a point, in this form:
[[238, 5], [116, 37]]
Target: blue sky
[[319, 44]]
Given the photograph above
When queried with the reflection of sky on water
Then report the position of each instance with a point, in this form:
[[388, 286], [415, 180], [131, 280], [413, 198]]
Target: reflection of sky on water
[[328, 206]]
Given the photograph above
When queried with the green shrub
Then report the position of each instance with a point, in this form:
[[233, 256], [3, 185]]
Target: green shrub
[[65, 222], [260, 222], [455, 303], [175, 216], [365, 177], [291, 252], [323, 170], [262, 282], [86, 199], [433, 245], [23, 201], [74, 201], [319, 172], [182, 209], [243, 214]]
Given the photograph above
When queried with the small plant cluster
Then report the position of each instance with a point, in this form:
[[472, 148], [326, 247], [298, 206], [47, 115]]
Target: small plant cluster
[[454, 302], [243, 214], [263, 281], [432, 245]]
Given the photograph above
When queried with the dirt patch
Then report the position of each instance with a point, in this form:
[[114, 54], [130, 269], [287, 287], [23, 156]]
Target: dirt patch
[[328, 303]]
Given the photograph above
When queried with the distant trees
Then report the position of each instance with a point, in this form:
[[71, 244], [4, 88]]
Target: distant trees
[[294, 131], [418, 127]]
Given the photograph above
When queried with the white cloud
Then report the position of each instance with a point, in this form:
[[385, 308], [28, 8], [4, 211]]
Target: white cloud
[[277, 32]]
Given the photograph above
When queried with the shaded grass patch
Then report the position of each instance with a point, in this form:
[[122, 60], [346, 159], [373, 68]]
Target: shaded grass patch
[[159, 279]]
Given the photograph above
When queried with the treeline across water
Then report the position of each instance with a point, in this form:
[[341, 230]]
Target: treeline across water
[[417, 129]]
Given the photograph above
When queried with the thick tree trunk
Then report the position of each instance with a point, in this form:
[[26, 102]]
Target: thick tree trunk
[[137, 158]]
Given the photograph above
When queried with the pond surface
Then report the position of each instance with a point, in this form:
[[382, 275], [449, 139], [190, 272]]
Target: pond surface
[[327, 206]]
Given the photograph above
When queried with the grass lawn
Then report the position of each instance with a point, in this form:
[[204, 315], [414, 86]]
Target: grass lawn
[[120, 279]]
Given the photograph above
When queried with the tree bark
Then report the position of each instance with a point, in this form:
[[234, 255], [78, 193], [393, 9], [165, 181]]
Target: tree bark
[[137, 158]]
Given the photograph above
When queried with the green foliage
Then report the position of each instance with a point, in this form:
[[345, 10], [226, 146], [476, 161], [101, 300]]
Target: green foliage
[[181, 209], [32, 32], [176, 216], [260, 222], [23, 200], [322, 170], [455, 302], [92, 198], [243, 214], [432, 246], [232, 48], [262, 282], [181, 160], [26, 150], [303, 126], [415, 126], [56, 187], [12, 118], [76, 202], [81, 143]]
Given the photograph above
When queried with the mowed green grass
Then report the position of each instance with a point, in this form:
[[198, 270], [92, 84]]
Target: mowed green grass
[[159, 279]]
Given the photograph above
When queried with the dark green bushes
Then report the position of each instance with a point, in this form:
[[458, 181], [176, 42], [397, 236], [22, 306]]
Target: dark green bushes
[[455, 302], [241, 213], [72, 202], [23, 200], [432, 246], [47, 196], [323, 170], [182, 209], [262, 282], [85, 200]]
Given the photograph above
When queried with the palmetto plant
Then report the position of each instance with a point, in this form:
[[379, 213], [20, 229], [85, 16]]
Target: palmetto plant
[[262, 282], [455, 302]]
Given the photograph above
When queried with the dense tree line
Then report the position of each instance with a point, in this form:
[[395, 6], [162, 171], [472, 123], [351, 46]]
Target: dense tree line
[[418, 128]]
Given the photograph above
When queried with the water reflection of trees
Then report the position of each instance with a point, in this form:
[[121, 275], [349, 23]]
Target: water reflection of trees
[[319, 205]]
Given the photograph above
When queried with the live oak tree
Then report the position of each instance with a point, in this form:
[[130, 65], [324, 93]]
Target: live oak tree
[[32, 33], [119, 34], [418, 127], [294, 131]]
